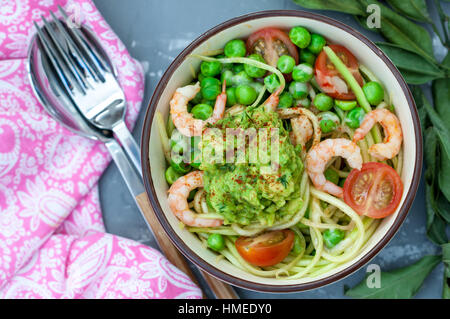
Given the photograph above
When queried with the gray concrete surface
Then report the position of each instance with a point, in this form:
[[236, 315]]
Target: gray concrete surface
[[155, 32]]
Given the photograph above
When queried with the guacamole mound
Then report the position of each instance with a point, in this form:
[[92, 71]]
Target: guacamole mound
[[244, 194]]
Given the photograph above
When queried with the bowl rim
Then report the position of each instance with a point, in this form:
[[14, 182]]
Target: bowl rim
[[183, 247]]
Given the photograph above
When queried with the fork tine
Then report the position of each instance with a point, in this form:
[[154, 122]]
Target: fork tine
[[74, 50], [95, 60], [69, 65], [53, 59]]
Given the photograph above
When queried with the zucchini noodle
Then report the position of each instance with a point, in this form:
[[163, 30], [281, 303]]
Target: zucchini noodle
[[259, 98], [308, 212], [163, 136], [248, 62]]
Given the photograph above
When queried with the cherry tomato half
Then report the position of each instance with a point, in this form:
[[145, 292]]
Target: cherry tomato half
[[374, 191], [271, 43], [267, 249], [329, 78]]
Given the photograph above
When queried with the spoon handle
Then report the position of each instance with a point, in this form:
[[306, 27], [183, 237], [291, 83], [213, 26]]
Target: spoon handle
[[129, 144], [136, 187]]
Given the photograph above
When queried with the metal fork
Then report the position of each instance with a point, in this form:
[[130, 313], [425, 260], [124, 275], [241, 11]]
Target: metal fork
[[88, 80]]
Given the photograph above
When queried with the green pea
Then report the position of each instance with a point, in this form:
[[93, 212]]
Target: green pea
[[307, 57], [202, 111], [196, 158], [231, 96], [302, 72], [205, 101], [245, 94], [178, 142], [179, 166], [345, 105], [327, 126], [285, 63], [241, 78], [331, 175], [237, 67], [317, 43], [300, 37], [172, 175], [254, 71], [216, 242], [355, 117], [196, 153], [299, 90], [272, 82], [374, 92], [323, 102], [212, 68], [235, 48], [207, 81], [197, 99], [227, 77], [211, 92], [297, 247], [328, 121], [200, 77], [305, 102], [257, 86], [332, 237], [286, 100]]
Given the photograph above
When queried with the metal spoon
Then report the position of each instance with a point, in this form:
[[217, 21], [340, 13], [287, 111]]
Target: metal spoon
[[52, 97]]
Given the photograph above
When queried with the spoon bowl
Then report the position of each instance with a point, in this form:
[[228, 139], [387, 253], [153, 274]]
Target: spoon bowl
[[50, 94]]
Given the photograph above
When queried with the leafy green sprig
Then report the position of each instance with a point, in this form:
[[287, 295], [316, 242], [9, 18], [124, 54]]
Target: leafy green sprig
[[409, 46]]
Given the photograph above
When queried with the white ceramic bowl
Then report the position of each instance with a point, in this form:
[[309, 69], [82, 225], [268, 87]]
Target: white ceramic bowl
[[179, 74]]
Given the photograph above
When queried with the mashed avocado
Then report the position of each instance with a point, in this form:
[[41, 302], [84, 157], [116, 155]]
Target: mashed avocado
[[244, 194]]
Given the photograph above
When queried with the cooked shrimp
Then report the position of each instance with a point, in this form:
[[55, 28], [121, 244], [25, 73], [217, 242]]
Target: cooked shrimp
[[302, 130], [392, 131], [273, 100], [294, 112], [320, 154], [178, 194], [183, 120]]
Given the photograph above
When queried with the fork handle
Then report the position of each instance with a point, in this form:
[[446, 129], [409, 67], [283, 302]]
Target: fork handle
[[134, 183], [129, 144], [220, 289]]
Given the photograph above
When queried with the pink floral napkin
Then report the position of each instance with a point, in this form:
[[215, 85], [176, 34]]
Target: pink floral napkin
[[52, 239]]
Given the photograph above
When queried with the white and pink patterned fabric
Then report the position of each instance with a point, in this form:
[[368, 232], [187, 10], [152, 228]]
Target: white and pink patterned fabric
[[52, 239]]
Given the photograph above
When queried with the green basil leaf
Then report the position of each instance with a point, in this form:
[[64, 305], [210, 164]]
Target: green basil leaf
[[401, 283], [443, 206], [418, 98], [436, 226], [441, 97], [441, 129], [416, 78], [446, 260], [430, 150], [362, 20], [441, 94], [446, 60], [404, 32], [346, 6], [410, 61], [444, 173], [414, 9]]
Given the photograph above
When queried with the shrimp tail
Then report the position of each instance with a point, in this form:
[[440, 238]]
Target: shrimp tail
[[272, 101]]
